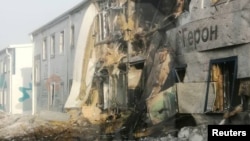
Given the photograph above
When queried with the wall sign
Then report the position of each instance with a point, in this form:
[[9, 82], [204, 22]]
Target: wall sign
[[199, 35], [213, 32]]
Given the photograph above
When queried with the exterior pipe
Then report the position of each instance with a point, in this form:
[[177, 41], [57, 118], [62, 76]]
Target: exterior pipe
[[34, 101], [10, 77]]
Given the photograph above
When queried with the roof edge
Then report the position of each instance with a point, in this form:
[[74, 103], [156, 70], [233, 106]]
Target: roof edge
[[60, 17]]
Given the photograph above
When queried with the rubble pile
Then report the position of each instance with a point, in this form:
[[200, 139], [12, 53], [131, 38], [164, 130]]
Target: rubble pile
[[35, 128], [189, 133]]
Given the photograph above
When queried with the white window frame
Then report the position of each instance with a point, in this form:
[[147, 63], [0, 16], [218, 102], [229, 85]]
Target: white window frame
[[52, 46], [61, 42], [37, 71], [44, 49]]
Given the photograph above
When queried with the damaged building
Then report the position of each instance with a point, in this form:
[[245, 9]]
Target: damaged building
[[139, 63]]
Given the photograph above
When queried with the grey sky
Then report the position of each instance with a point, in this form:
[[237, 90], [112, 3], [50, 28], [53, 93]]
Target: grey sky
[[18, 18]]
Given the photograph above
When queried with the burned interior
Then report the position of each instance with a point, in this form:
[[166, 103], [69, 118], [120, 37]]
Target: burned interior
[[223, 73]]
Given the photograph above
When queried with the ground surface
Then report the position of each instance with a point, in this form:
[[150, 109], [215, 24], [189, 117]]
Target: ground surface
[[49, 127]]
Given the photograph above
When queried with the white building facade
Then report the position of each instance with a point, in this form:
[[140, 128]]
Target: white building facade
[[16, 79]]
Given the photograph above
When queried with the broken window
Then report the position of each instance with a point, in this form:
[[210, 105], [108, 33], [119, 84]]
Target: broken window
[[102, 80], [222, 73], [103, 25]]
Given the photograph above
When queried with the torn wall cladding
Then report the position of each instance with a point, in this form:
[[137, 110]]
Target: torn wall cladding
[[120, 35]]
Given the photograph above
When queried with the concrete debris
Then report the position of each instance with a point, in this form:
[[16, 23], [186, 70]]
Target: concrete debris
[[28, 127], [35, 128], [198, 133], [51, 115]]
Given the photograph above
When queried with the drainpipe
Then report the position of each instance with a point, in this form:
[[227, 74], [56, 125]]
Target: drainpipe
[[33, 84], [10, 77], [33, 78]]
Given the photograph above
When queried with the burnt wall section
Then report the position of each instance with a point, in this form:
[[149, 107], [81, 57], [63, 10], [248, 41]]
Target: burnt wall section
[[129, 33]]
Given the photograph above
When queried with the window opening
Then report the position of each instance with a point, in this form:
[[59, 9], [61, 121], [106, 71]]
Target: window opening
[[52, 94], [52, 46], [180, 73], [72, 39], [222, 72], [61, 43], [37, 70], [44, 49], [70, 84]]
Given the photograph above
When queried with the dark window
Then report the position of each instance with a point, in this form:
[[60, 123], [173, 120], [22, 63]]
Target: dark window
[[180, 73], [223, 73]]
